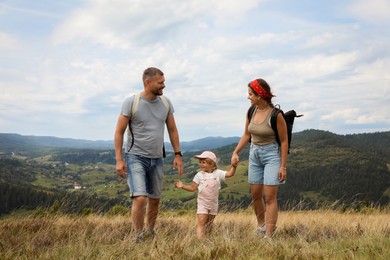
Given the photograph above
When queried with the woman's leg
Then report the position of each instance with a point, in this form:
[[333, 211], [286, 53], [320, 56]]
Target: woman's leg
[[271, 204], [258, 202]]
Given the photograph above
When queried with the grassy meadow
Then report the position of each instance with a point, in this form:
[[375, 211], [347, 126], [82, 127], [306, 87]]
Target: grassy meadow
[[325, 234]]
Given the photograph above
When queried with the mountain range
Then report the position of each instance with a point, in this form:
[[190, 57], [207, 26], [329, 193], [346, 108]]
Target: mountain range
[[11, 141]]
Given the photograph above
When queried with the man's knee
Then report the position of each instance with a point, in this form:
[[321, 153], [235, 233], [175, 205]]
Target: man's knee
[[153, 202], [139, 200]]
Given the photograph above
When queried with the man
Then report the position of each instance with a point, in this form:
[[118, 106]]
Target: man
[[143, 162]]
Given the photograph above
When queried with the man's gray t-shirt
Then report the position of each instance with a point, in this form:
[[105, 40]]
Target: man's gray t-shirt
[[148, 126]]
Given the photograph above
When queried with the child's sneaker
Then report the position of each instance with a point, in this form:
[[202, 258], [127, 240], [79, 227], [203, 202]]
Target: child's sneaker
[[267, 238], [260, 231]]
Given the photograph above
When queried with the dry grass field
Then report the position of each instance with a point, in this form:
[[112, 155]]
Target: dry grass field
[[299, 235]]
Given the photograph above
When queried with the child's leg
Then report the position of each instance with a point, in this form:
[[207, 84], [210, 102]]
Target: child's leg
[[201, 225], [209, 224]]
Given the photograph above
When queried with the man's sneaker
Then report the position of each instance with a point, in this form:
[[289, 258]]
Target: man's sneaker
[[149, 233], [140, 237], [260, 231]]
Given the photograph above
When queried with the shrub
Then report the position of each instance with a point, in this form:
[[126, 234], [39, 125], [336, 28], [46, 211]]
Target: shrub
[[118, 210], [86, 211]]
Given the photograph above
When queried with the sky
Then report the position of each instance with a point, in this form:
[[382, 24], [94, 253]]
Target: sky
[[67, 66]]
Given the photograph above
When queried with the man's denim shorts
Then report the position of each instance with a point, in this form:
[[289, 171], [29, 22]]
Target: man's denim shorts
[[264, 164], [144, 176]]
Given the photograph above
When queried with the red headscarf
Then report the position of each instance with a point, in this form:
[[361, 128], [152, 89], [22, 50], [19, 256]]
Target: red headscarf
[[259, 89]]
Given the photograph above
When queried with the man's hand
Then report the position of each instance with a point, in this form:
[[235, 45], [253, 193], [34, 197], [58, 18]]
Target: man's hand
[[178, 164], [121, 169]]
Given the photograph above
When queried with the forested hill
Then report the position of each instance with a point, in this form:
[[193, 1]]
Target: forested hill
[[323, 168], [373, 143], [327, 143], [326, 167]]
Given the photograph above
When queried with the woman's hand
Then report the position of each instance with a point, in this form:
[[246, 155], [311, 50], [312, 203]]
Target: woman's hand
[[282, 174]]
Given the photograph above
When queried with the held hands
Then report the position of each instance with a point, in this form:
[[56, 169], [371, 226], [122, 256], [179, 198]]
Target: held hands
[[178, 184], [235, 160]]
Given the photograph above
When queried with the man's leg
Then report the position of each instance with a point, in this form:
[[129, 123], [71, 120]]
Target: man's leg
[[137, 213], [155, 177], [152, 212]]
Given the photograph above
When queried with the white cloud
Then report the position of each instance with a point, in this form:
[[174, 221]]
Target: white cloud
[[4, 8], [76, 71], [373, 11], [123, 24], [8, 41]]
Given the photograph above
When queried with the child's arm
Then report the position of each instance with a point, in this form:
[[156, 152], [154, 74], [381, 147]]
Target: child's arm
[[231, 172], [192, 187]]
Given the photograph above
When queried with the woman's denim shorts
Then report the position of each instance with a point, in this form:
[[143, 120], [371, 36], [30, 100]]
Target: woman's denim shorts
[[144, 176], [264, 164]]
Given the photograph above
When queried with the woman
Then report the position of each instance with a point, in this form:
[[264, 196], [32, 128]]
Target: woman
[[267, 161]]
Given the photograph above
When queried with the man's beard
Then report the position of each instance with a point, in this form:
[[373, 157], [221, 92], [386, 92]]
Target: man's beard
[[158, 92]]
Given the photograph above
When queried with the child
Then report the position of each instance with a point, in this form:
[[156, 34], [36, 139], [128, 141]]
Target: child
[[208, 183]]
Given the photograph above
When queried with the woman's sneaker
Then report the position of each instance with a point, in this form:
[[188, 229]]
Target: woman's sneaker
[[260, 231]]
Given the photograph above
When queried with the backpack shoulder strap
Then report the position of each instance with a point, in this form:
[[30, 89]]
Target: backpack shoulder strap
[[250, 112], [134, 106], [273, 119], [165, 102]]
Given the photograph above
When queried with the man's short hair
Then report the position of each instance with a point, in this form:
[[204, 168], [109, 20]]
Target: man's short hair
[[151, 72]]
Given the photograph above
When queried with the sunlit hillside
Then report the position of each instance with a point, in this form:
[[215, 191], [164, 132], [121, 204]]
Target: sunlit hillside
[[299, 235]]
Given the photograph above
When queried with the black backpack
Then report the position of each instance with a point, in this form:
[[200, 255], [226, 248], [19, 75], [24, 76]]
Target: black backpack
[[289, 117]]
